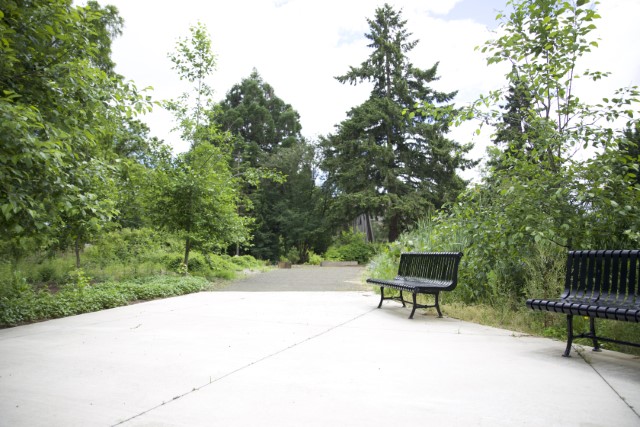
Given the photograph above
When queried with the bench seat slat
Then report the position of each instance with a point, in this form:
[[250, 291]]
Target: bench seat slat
[[420, 286], [624, 312]]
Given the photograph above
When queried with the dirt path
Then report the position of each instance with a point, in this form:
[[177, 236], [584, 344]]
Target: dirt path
[[303, 279]]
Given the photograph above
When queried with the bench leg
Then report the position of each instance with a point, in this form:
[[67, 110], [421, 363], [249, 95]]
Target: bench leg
[[437, 294], [414, 306], [567, 351], [594, 337], [381, 296], [402, 300]]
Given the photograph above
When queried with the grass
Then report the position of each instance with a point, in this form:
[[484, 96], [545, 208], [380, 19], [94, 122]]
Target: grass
[[549, 325], [529, 322]]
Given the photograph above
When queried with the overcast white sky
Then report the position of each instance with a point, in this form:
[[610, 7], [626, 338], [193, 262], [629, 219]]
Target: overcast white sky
[[299, 46]]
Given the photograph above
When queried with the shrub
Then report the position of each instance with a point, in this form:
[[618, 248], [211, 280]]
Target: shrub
[[293, 255], [197, 262], [46, 272], [245, 261], [222, 266], [123, 245], [350, 246], [314, 259]]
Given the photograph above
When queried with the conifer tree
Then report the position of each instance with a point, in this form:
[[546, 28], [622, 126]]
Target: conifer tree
[[267, 138], [380, 161]]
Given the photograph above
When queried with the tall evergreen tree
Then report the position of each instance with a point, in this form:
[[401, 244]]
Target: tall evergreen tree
[[514, 133], [262, 121], [267, 136], [380, 161]]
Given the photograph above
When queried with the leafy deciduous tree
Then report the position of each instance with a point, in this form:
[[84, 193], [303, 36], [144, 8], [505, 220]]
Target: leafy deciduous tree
[[59, 97], [536, 191], [195, 194]]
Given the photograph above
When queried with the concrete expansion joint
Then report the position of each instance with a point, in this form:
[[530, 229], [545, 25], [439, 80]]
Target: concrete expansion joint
[[248, 365], [582, 353]]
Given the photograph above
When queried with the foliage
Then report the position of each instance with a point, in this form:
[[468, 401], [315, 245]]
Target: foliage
[[292, 256], [351, 246], [124, 255], [59, 98], [544, 41], [138, 155], [382, 162], [537, 199], [314, 259], [261, 121], [24, 304], [175, 262], [535, 189], [266, 138], [294, 210], [195, 194], [194, 61]]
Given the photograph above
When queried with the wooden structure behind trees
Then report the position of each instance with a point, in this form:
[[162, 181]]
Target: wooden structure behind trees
[[362, 224]]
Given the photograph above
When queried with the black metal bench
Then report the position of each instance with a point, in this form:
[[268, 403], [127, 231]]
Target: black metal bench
[[422, 273], [600, 285]]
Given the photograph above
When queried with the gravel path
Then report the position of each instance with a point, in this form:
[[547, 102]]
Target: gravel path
[[303, 279]]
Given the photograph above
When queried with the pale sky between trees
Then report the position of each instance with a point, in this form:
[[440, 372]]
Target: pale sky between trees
[[298, 46]]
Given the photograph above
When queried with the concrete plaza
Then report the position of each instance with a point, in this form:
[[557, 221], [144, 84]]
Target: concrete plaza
[[280, 357]]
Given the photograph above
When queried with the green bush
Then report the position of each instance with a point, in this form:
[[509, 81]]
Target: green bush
[[222, 266], [350, 246], [197, 262], [314, 259], [245, 261], [46, 269], [124, 245], [292, 256], [47, 272]]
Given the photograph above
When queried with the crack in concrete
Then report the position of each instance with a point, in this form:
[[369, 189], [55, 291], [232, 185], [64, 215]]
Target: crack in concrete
[[228, 374], [580, 351]]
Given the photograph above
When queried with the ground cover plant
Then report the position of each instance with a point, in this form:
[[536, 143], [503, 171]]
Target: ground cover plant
[[21, 303], [124, 267]]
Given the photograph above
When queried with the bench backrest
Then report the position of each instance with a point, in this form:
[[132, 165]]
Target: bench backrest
[[605, 275], [435, 266]]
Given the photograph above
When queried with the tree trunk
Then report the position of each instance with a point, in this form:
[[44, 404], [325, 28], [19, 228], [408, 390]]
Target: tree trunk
[[77, 249], [394, 228], [187, 248]]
